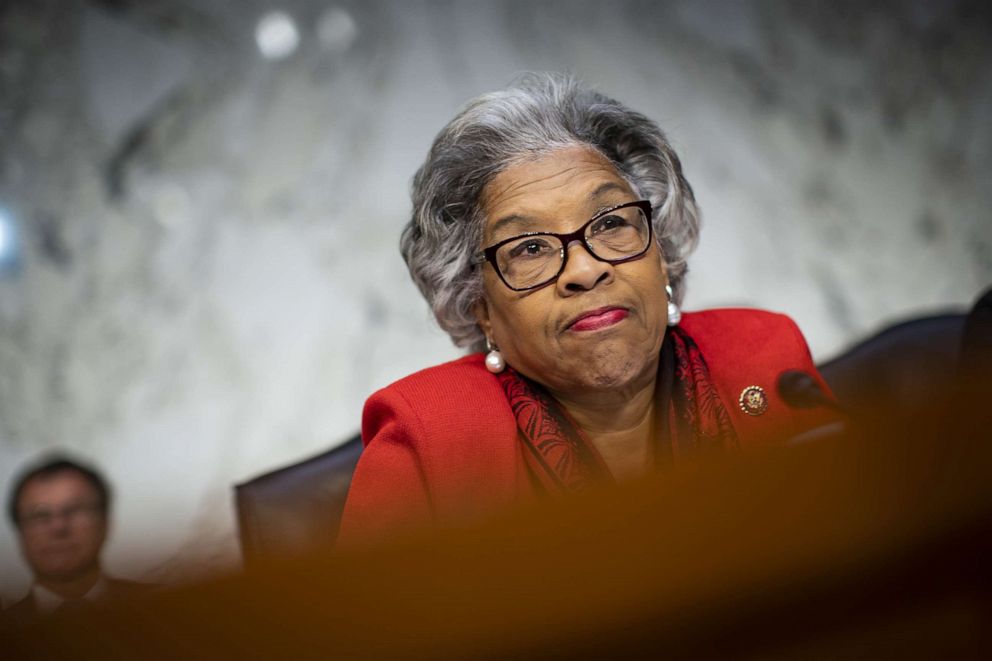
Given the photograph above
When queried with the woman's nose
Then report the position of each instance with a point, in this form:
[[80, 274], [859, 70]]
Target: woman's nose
[[582, 271]]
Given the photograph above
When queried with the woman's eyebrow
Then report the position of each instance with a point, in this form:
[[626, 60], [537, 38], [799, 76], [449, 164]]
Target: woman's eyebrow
[[607, 187], [512, 219], [517, 219]]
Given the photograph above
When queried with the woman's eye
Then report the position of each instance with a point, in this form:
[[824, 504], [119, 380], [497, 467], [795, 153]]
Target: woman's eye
[[607, 223], [532, 248]]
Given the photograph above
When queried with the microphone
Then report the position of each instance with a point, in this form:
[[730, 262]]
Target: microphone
[[801, 391]]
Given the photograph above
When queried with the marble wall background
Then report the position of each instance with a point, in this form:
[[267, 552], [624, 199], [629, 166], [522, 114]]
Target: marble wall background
[[208, 284]]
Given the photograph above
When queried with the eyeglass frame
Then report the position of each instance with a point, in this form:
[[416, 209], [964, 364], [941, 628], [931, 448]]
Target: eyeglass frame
[[489, 254]]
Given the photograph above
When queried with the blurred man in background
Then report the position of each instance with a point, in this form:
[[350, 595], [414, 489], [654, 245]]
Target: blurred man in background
[[60, 509]]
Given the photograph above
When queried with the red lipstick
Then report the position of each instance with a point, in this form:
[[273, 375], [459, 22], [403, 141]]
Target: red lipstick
[[596, 319]]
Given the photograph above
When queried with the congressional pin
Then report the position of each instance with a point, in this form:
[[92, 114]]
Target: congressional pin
[[753, 400]]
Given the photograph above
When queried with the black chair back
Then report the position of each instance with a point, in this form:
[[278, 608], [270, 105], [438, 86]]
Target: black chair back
[[900, 367], [297, 507]]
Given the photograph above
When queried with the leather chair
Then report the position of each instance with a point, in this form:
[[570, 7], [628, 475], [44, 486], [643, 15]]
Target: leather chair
[[298, 507], [898, 368]]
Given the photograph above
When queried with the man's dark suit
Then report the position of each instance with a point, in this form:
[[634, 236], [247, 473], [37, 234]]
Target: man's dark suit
[[26, 610]]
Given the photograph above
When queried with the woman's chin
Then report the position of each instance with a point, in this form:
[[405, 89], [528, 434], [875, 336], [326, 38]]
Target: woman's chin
[[609, 370]]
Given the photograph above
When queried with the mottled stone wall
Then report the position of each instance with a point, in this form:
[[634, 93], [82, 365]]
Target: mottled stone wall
[[210, 284]]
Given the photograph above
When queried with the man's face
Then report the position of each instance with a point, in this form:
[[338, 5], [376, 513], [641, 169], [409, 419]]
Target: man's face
[[62, 526]]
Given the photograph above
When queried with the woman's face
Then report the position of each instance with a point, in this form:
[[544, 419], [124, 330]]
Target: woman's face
[[599, 326]]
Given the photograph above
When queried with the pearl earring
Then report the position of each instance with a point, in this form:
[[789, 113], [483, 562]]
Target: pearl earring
[[674, 314], [494, 359]]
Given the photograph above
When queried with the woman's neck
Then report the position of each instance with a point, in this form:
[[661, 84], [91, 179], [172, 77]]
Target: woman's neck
[[619, 424]]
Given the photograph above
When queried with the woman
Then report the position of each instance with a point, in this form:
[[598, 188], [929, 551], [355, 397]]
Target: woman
[[549, 234]]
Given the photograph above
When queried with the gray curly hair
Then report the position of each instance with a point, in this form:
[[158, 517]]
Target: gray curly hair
[[538, 114]]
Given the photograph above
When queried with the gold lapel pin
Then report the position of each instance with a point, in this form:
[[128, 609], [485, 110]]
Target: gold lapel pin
[[753, 400]]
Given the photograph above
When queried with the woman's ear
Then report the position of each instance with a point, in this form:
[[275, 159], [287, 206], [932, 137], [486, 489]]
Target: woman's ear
[[481, 311]]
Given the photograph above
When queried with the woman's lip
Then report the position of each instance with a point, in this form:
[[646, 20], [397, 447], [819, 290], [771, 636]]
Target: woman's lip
[[596, 319]]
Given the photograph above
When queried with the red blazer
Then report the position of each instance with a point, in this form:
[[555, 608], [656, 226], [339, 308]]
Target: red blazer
[[441, 444]]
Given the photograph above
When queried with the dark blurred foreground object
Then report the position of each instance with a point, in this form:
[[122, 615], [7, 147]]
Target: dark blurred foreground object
[[298, 507], [872, 545]]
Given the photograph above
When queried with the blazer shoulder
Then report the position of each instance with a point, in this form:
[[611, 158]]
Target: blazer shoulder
[[742, 339], [457, 392], [737, 322], [467, 373], [744, 334]]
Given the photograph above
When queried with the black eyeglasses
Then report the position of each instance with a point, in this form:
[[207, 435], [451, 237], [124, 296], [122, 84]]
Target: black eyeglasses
[[528, 261]]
